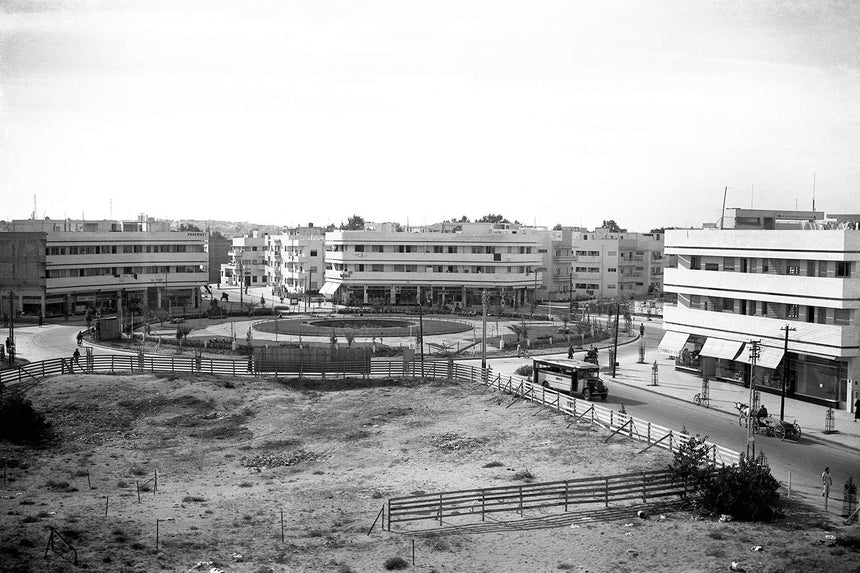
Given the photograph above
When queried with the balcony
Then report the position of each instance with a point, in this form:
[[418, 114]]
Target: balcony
[[360, 278], [810, 338], [125, 282], [789, 289]]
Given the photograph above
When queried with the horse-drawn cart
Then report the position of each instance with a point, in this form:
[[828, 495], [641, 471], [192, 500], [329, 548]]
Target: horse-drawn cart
[[781, 429]]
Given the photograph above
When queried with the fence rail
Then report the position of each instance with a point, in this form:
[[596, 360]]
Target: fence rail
[[644, 486], [618, 423]]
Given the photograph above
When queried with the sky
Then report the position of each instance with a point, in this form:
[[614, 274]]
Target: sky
[[289, 112]]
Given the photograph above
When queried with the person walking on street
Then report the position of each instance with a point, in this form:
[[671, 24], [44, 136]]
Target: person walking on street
[[80, 337], [826, 482], [570, 352]]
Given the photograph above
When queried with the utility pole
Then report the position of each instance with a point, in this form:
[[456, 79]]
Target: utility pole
[[786, 328], [755, 352], [11, 347], [421, 330], [615, 345], [484, 330]]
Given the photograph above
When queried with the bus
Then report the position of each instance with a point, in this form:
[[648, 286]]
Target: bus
[[570, 376]]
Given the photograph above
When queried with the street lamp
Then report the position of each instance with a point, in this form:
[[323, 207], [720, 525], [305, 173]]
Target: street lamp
[[484, 298], [787, 329]]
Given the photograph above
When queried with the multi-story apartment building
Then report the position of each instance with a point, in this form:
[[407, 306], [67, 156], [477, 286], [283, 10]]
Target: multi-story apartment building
[[447, 267], [763, 273], [108, 265], [617, 264], [295, 260], [247, 259], [22, 273]]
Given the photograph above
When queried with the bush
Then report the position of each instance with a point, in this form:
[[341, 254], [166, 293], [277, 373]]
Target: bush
[[20, 422], [525, 370], [393, 563], [747, 491]]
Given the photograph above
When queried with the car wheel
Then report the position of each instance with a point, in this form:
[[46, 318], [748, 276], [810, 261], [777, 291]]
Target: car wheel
[[586, 395]]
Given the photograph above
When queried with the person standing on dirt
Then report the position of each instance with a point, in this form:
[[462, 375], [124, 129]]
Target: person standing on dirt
[[76, 357], [570, 352], [826, 482]]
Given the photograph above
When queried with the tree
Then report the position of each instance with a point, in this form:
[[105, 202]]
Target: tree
[[493, 218], [189, 227], [463, 219], [182, 331], [612, 226], [557, 227], [354, 223]]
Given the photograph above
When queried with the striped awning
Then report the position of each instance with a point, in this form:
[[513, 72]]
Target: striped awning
[[673, 342], [719, 348], [769, 357]]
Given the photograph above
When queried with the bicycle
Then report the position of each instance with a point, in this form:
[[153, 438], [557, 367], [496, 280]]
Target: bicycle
[[702, 400]]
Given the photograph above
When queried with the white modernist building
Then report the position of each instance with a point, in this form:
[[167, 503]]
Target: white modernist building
[[774, 273], [617, 264], [294, 261], [248, 260], [108, 265], [444, 266]]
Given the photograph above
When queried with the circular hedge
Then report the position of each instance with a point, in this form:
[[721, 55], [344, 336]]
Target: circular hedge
[[360, 327]]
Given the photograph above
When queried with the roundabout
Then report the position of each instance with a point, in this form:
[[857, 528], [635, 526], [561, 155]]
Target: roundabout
[[360, 327]]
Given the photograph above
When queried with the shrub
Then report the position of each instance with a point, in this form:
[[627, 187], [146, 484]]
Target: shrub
[[393, 563], [747, 491], [524, 370], [20, 422]]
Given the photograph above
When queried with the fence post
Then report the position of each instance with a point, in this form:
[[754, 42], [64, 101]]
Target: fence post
[[172, 365], [611, 417], [670, 441], [440, 509], [565, 496], [606, 490], [111, 363], [521, 500], [649, 434], [482, 505], [644, 496]]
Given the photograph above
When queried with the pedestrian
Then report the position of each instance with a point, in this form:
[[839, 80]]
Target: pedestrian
[[570, 352], [76, 356], [519, 350], [857, 410], [826, 482], [80, 337], [41, 320]]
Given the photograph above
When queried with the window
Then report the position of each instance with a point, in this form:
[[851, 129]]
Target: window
[[792, 270], [822, 268], [728, 305], [377, 268], [377, 248], [452, 249], [791, 311], [842, 316], [359, 268], [765, 265], [695, 262], [358, 249], [438, 249], [728, 263], [843, 269], [764, 308], [611, 270]]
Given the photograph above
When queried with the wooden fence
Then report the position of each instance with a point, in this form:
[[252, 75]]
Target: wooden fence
[[642, 487], [618, 423]]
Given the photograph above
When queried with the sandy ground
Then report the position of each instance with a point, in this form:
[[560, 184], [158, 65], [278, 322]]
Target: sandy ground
[[232, 455]]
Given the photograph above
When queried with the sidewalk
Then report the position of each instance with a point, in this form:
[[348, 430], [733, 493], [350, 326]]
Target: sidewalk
[[683, 386]]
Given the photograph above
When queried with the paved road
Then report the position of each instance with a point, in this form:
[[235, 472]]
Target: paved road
[[805, 459]]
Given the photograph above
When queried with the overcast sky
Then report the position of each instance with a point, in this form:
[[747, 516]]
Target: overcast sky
[[289, 112]]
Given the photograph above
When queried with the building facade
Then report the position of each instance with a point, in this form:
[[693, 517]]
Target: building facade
[[793, 285], [617, 265], [22, 273], [446, 268], [247, 259], [109, 265], [295, 261]]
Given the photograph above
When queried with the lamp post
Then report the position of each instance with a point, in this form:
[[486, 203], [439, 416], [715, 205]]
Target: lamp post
[[11, 347], [484, 330], [786, 328]]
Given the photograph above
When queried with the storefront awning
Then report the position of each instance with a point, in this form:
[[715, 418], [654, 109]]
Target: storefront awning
[[768, 357], [328, 289], [673, 342], [719, 348]]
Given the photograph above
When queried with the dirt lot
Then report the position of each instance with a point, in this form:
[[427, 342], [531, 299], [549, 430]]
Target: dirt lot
[[231, 455]]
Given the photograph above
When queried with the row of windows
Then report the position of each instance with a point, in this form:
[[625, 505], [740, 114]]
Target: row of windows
[[820, 315], [118, 271], [475, 249], [121, 249], [591, 270], [832, 269], [380, 268]]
